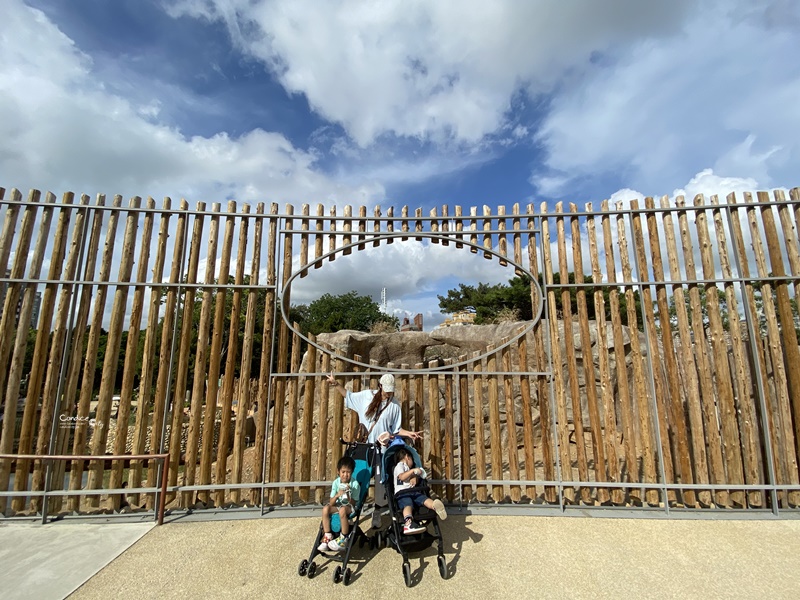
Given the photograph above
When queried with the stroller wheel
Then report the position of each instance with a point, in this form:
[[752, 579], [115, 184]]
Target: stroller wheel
[[337, 574], [442, 566], [348, 574], [407, 573], [312, 569], [301, 569]]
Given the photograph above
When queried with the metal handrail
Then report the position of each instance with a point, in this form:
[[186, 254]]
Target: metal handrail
[[161, 492]]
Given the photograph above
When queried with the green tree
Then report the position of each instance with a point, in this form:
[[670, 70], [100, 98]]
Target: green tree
[[331, 313]]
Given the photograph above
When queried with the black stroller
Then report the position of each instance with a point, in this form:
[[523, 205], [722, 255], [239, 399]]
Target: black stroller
[[364, 456], [394, 536]]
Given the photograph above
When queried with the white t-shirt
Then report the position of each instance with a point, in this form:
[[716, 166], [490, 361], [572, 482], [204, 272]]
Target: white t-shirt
[[399, 469], [390, 417]]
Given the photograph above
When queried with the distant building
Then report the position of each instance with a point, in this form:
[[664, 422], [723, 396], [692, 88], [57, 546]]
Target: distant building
[[415, 326], [462, 317]]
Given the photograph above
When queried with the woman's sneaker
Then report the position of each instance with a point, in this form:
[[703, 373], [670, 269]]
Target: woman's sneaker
[[338, 544], [438, 506], [411, 527], [323, 547]]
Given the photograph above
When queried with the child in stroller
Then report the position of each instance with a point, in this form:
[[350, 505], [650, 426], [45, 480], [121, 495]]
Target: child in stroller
[[358, 459], [401, 466]]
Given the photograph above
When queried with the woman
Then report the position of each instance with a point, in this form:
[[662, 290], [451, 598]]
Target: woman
[[380, 413]]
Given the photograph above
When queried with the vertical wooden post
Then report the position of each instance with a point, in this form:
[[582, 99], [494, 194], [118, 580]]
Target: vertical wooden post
[[84, 404], [332, 236], [445, 226], [511, 421], [434, 416], [36, 375], [487, 227], [215, 357], [528, 433], [304, 240], [376, 226], [459, 229], [473, 227], [449, 452], [362, 226], [465, 439], [113, 343], [324, 404], [434, 225], [308, 421], [562, 417], [495, 441], [502, 241], [232, 355], [267, 338], [480, 432], [201, 384], [291, 419]]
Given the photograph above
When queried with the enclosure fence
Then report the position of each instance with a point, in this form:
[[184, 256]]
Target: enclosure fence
[[660, 369]]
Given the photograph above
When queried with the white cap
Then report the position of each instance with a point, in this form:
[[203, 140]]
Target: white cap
[[387, 383]]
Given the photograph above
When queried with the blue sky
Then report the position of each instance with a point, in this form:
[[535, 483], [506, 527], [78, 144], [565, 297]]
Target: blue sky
[[399, 103]]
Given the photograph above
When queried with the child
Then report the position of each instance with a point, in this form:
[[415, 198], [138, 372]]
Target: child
[[406, 476], [344, 496]]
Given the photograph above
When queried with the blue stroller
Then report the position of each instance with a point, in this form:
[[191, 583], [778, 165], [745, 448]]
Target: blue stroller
[[364, 456], [393, 535]]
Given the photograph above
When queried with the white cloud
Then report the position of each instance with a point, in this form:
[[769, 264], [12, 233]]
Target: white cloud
[[62, 130], [444, 70], [722, 94]]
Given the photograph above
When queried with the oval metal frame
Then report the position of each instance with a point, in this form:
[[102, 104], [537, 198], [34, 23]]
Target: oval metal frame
[[284, 297]]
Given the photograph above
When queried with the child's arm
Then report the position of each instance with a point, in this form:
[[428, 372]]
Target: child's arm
[[410, 474]]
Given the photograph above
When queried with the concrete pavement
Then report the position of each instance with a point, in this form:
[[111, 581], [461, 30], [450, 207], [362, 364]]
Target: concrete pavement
[[488, 556]]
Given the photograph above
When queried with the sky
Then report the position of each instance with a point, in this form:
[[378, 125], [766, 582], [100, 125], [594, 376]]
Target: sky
[[395, 103]]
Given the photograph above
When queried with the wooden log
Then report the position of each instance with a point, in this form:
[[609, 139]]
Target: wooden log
[[785, 314], [67, 405], [201, 383], [419, 399], [80, 431], [629, 470], [48, 424], [433, 223], [304, 241], [517, 238], [641, 394], [511, 422], [606, 387], [113, 345], [449, 450], [745, 408], [266, 355], [481, 490], [332, 236], [376, 226], [435, 450], [418, 223], [459, 225], [244, 402], [473, 226], [338, 418], [131, 354], [390, 224], [164, 376], [464, 437], [362, 226], [405, 399], [18, 350], [8, 324], [291, 419], [677, 407], [319, 238], [726, 410], [502, 243], [528, 433], [224, 443], [495, 441], [571, 360], [445, 226], [36, 375], [215, 357], [562, 418], [541, 364], [347, 227], [711, 426], [587, 356], [690, 385], [324, 444], [283, 357], [487, 226], [404, 224], [187, 326]]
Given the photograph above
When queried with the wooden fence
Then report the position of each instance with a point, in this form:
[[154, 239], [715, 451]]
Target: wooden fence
[[662, 366]]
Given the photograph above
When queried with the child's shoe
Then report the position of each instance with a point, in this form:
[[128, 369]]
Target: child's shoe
[[411, 527], [438, 506], [326, 539], [338, 544]]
